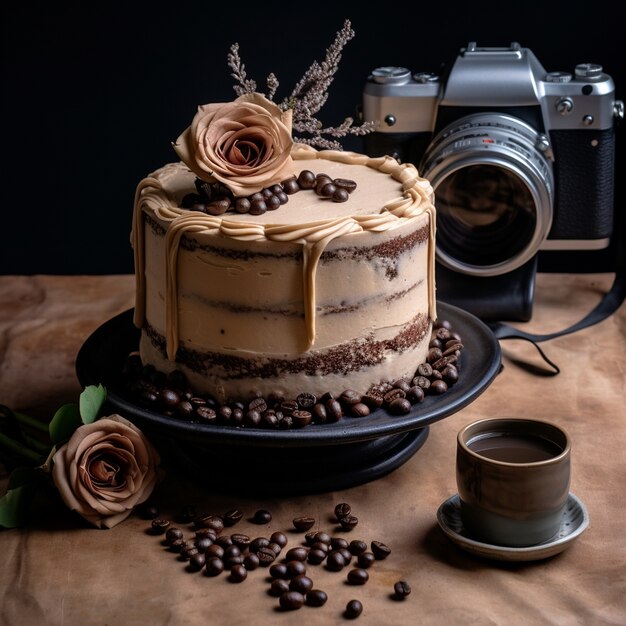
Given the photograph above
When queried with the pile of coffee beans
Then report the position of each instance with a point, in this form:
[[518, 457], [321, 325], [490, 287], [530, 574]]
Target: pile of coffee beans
[[216, 199], [172, 396], [201, 541]]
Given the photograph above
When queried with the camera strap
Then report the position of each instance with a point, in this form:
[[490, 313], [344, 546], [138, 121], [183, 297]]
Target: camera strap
[[610, 302]]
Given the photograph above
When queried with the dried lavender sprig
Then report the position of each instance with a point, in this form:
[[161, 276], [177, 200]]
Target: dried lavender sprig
[[239, 72], [320, 142], [272, 85], [312, 87]]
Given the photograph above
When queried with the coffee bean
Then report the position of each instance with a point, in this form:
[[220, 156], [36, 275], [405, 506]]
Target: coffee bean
[[277, 587], [372, 401], [278, 570], [291, 600], [340, 195], [159, 526], [273, 202], [283, 198], [274, 547], [366, 559], [322, 537], [334, 411], [203, 543], [319, 413], [238, 573], [357, 547], [345, 183], [306, 401], [225, 541], [232, 516], [215, 550], [279, 538], [206, 415], [316, 556], [421, 381], [301, 583], [257, 207], [262, 516], [354, 608], [338, 542], [306, 179], [295, 568], [400, 406], [218, 207], [242, 205], [173, 533], [266, 556], [214, 566], [360, 409], [298, 553], [290, 186], [176, 545], [301, 418], [401, 590], [380, 550], [232, 551], [240, 540], [434, 354], [251, 561], [258, 543], [348, 522], [316, 597], [303, 523], [438, 387], [450, 374], [358, 576], [415, 394], [349, 397], [214, 522], [342, 509], [197, 562], [207, 533], [335, 561], [320, 545], [393, 394]]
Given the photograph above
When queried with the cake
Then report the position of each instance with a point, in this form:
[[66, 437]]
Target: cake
[[271, 265], [315, 296]]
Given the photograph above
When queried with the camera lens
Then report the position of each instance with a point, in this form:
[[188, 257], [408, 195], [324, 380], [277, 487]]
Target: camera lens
[[493, 193]]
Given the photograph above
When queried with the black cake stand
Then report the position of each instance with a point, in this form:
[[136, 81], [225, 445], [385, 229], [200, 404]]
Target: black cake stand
[[317, 458]]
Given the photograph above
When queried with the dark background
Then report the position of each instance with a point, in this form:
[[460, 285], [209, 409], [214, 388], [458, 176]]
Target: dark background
[[93, 95]]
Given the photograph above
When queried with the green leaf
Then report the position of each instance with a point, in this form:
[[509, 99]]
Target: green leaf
[[91, 401], [65, 421], [15, 503]]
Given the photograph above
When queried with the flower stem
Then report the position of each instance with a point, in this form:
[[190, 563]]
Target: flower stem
[[33, 422], [18, 448]]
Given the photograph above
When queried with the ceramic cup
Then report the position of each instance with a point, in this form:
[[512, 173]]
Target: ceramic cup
[[513, 477]]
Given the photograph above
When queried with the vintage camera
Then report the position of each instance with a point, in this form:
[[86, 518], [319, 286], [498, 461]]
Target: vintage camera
[[521, 160]]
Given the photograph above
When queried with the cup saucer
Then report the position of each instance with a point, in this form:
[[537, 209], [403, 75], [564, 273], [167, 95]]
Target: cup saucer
[[574, 522]]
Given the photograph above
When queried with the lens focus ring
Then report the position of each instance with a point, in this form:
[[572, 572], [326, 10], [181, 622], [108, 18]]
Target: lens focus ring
[[493, 192]]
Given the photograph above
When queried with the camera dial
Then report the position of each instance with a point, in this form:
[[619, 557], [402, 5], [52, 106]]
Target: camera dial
[[494, 188]]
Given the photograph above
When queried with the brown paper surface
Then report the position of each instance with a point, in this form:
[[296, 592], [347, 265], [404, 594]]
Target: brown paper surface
[[58, 570]]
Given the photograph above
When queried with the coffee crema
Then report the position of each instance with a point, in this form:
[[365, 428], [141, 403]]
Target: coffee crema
[[514, 448]]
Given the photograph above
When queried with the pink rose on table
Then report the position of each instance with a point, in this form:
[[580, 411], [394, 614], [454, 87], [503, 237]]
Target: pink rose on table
[[105, 470], [244, 144]]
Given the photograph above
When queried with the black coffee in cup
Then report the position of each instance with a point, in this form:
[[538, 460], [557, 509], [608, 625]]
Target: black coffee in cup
[[514, 448]]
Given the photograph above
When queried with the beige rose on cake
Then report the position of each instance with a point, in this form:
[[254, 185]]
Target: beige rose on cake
[[105, 470], [244, 144]]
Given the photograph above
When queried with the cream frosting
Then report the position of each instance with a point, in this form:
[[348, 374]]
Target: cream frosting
[[306, 220]]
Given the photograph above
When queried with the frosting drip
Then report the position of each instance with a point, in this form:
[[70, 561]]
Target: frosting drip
[[314, 236]]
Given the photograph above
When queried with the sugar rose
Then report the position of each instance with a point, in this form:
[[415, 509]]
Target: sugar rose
[[105, 470], [245, 144]]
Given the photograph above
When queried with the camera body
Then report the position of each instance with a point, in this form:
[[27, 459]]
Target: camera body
[[520, 159]]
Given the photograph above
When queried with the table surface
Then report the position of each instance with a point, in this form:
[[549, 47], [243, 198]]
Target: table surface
[[59, 570]]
